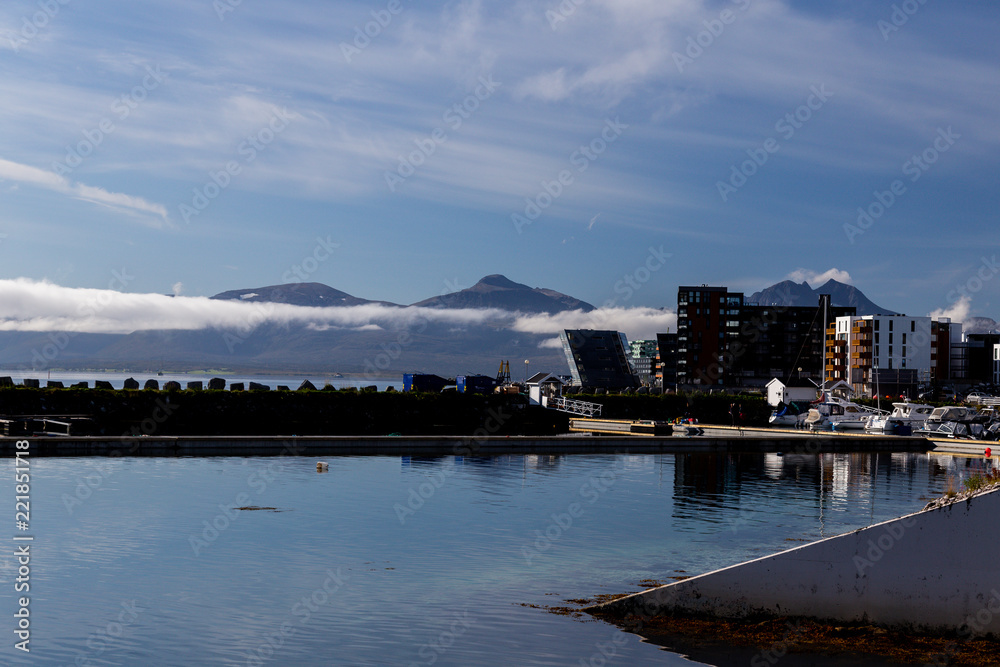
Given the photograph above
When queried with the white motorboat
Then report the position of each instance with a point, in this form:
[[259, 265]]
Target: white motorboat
[[907, 414], [839, 415], [954, 421]]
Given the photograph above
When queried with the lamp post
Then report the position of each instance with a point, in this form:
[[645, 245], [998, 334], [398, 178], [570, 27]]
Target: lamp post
[[526, 371]]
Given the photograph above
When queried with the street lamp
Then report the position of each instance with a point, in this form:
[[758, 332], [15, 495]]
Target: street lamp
[[526, 371]]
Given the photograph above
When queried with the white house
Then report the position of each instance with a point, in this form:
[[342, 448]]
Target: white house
[[779, 392], [541, 387]]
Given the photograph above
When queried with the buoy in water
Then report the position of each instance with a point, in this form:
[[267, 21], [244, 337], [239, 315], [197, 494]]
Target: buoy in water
[[322, 467]]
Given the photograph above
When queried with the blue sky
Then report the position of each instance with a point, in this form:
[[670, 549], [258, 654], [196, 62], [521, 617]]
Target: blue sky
[[194, 146]]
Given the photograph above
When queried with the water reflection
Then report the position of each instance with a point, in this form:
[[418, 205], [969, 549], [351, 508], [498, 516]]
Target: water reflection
[[418, 541]]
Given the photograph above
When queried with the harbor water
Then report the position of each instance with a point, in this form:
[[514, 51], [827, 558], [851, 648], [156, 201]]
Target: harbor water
[[402, 561]]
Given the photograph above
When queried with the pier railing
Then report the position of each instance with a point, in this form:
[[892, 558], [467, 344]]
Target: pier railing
[[582, 408]]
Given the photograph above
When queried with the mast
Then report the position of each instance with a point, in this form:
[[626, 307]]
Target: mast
[[822, 356]]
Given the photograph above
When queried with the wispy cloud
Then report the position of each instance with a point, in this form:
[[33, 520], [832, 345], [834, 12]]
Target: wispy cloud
[[28, 175]]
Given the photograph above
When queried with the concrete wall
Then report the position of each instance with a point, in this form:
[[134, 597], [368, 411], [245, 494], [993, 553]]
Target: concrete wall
[[935, 571]]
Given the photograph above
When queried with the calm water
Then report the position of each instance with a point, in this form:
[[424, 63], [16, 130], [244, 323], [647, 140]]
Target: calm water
[[397, 561]]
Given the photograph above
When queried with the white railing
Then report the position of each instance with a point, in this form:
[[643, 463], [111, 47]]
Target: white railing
[[581, 408]]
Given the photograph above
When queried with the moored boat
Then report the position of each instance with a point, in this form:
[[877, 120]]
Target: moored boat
[[906, 414], [839, 414]]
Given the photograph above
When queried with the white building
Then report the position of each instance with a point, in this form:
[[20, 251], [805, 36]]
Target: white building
[[870, 345], [779, 392], [996, 364], [642, 356]]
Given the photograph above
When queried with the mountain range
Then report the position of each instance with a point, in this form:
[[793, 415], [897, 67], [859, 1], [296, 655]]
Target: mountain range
[[493, 291], [789, 293]]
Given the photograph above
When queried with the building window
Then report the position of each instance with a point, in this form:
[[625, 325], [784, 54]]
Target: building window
[[913, 326], [890, 325], [876, 325], [890, 335], [904, 342]]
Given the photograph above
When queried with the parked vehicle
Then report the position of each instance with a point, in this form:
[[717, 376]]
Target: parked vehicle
[[976, 397]]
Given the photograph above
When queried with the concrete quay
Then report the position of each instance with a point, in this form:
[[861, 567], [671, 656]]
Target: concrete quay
[[933, 571], [716, 439]]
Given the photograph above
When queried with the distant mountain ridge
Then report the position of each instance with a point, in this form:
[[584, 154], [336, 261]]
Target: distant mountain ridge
[[980, 325], [497, 291], [789, 293], [314, 295]]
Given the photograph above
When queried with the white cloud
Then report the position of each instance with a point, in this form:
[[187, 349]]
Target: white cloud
[[26, 174], [637, 323], [816, 279], [958, 311], [43, 306]]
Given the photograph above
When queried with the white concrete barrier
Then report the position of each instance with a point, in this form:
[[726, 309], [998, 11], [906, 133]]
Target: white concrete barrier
[[933, 571]]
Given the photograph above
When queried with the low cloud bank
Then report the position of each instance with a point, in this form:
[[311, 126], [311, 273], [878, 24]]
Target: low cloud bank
[[28, 305]]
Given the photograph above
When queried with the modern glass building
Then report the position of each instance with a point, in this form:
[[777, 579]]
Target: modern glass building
[[598, 358]]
